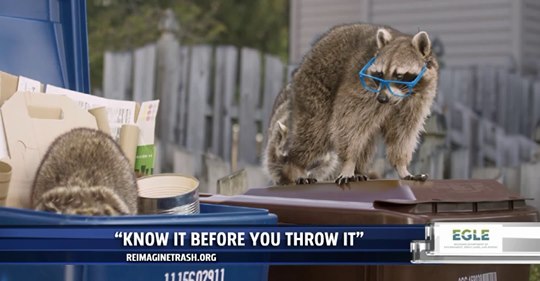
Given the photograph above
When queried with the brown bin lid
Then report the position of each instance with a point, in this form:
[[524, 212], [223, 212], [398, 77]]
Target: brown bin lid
[[397, 191], [386, 201], [408, 196]]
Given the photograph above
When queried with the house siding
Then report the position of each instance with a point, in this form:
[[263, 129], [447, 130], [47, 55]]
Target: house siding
[[531, 35], [489, 32], [311, 18], [472, 32]]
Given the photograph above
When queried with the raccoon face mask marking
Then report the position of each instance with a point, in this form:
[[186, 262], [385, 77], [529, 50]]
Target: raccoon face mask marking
[[401, 66], [401, 87]]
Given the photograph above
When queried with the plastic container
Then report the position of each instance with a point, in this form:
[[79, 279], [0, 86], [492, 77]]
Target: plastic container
[[391, 202]]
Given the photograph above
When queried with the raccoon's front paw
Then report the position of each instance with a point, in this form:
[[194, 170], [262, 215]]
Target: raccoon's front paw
[[341, 180], [305, 180], [419, 177]]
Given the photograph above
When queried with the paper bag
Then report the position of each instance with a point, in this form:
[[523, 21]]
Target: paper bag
[[32, 121]]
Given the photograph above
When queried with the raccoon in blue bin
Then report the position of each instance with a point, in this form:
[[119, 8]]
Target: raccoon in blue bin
[[85, 172]]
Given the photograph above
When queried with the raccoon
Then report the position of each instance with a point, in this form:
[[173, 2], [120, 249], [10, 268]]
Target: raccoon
[[330, 110], [276, 152], [85, 172]]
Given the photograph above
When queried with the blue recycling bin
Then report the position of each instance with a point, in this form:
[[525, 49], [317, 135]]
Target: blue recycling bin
[[47, 40], [210, 215]]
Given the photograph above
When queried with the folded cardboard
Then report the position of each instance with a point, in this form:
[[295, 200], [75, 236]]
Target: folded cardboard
[[26, 84], [32, 121], [5, 178], [8, 86], [119, 114]]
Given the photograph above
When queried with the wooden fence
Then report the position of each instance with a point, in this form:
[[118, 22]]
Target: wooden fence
[[506, 99], [205, 92], [492, 112]]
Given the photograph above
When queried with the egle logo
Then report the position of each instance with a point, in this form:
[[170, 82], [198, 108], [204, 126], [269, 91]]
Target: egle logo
[[470, 234]]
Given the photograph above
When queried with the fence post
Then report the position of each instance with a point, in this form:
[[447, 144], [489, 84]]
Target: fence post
[[486, 92], [168, 63], [524, 107], [144, 73], [273, 82], [181, 103], [167, 75], [199, 88], [502, 90], [117, 75], [224, 90], [529, 178], [446, 91], [249, 97], [535, 108], [460, 163], [513, 98]]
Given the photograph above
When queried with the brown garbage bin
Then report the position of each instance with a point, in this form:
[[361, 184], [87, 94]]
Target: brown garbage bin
[[391, 202]]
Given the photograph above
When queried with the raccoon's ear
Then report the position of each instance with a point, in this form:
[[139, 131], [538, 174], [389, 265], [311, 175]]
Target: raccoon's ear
[[282, 127], [422, 43], [383, 37]]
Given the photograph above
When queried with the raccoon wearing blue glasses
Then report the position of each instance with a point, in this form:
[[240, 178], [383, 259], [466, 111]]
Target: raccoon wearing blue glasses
[[357, 82]]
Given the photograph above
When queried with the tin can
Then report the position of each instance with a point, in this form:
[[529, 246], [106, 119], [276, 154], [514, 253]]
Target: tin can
[[168, 194]]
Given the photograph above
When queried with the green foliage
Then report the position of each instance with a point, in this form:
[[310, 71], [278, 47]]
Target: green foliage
[[535, 273], [128, 24]]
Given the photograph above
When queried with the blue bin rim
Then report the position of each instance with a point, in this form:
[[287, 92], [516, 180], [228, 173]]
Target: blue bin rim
[[223, 211]]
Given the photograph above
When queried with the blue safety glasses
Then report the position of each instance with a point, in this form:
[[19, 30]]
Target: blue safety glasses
[[376, 84]]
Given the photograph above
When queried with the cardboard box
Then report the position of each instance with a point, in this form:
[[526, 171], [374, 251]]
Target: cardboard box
[[8, 86], [32, 121]]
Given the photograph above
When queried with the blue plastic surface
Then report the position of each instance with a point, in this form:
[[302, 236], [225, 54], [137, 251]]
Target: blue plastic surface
[[157, 272], [38, 272], [46, 40], [210, 215]]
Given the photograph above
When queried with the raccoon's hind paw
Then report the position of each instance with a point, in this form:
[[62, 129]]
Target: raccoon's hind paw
[[305, 180], [341, 180], [419, 177]]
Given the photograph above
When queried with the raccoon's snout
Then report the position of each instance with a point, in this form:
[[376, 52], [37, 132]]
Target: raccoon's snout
[[382, 98]]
